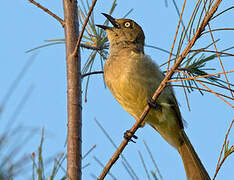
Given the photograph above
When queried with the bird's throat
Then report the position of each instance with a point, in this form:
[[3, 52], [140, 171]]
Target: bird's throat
[[117, 47]]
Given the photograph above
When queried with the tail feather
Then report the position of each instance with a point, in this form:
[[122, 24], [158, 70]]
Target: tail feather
[[192, 164]]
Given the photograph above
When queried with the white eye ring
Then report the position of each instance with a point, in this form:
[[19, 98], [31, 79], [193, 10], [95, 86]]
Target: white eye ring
[[127, 24]]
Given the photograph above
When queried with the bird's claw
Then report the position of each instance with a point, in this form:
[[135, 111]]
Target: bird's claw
[[153, 104], [128, 135]]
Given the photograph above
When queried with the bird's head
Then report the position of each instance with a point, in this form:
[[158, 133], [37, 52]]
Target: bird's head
[[124, 33]]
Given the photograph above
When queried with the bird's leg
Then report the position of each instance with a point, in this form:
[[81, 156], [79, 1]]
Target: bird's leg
[[128, 135], [153, 104], [142, 124]]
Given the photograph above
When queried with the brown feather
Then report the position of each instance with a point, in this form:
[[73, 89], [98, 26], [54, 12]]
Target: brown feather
[[192, 164]]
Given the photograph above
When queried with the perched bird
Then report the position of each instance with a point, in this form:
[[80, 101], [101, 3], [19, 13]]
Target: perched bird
[[133, 77]]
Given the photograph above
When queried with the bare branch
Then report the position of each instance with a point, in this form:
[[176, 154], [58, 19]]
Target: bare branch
[[193, 78], [91, 47], [177, 85], [91, 73], [83, 28], [219, 29], [219, 52], [178, 26], [89, 151], [48, 12], [222, 12], [220, 61], [221, 64]]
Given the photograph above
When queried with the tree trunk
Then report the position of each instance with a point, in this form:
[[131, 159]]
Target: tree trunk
[[74, 101]]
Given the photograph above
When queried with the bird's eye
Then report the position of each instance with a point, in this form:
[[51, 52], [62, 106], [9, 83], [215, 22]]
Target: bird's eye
[[127, 24]]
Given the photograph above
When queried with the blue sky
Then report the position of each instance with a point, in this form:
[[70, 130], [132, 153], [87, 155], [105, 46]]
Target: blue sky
[[24, 27]]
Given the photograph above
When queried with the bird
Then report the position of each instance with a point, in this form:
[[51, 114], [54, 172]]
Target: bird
[[132, 77]]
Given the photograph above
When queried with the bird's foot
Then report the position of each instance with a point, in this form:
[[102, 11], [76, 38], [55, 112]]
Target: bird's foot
[[153, 104], [142, 124], [128, 135]]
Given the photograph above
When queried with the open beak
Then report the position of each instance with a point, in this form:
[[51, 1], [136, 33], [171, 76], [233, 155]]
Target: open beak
[[112, 21]]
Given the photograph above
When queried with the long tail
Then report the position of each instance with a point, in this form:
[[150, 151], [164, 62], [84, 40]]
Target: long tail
[[192, 164]]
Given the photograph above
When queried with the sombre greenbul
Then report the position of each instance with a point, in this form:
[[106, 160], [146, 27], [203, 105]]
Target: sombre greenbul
[[133, 77]]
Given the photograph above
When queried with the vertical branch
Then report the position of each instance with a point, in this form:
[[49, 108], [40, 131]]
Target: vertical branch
[[74, 105]]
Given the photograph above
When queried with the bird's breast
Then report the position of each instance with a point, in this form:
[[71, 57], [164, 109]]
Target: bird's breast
[[132, 80]]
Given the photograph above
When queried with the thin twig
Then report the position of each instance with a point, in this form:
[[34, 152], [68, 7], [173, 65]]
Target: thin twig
[[193, 17], [220, 61], [219, 52], [153, 160], [225, 140], [115, 146], [220, 86], [102, 165], [86, 165], [201, 89], [128, 170], [144, 165], [178, 26], [162, 85], [92, 47], [60, 162], [221, 163], [91, 73], [178, 13], [48, 12], [82, 15], [222, 12], [163, 64], [83, 28], [221, 64], [214, 84], [89, 151], [185, 93], [160, 49], [193, 78], [219, 29]]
